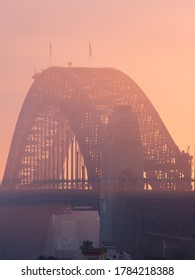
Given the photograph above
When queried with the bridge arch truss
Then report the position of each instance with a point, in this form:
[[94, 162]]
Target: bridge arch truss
[[59, 135]]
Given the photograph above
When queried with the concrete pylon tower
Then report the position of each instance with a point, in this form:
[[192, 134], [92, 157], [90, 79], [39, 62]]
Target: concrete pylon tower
[[122, 165]]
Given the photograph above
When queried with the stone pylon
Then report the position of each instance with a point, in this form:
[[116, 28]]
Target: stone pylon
[[122, 168]]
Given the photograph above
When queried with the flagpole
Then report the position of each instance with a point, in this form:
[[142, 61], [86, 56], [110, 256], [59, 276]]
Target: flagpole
[[50, 53], [90, 54]]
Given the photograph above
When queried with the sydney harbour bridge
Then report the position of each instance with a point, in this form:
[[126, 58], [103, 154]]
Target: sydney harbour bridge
[[87, 136]]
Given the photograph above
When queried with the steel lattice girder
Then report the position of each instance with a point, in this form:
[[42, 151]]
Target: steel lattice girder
[[86, 98]]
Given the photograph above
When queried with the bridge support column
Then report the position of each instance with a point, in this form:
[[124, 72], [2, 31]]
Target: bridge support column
[[106, 218]]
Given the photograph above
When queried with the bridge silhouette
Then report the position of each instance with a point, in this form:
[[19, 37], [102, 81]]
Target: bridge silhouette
[[90, 138]]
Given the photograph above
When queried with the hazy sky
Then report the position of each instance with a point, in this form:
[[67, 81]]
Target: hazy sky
[[152, 41]]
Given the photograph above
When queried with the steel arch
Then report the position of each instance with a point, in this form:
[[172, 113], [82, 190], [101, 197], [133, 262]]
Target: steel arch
[[91, 94], [56, 87]]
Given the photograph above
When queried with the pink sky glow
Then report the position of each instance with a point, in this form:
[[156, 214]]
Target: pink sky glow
[[152, 41]]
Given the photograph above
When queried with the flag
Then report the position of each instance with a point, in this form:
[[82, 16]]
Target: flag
[[90, 53]]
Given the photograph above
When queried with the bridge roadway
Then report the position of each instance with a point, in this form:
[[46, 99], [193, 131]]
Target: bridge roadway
[[84, 197], [76, 199], [143, 222]]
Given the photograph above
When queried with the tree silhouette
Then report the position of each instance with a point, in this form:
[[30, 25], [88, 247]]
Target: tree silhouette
[[86, 246]]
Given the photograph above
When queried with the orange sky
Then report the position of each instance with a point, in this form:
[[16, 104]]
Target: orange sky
[[152, 41]]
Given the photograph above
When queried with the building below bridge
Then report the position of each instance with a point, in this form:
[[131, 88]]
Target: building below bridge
[[68, 231]]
